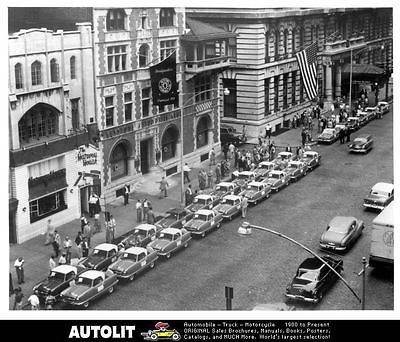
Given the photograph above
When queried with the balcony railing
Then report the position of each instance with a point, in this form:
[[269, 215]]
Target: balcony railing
[[344, 44], [209, 63]]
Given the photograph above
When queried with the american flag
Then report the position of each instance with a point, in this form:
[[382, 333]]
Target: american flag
[[307, 60]]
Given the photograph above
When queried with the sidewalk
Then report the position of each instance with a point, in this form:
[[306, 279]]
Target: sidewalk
[[36, 254]]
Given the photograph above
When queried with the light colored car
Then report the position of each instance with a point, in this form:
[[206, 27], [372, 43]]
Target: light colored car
[[224, 188], [264, 168], [89, 286], [312, 158], [170, 240], [243, 178], [341, 233], [101, 257], [256, 192], [329, 135], [203, 221], [380, 196], [363, 117], [371, 112], [282, 159], [383, 106], [203, 201], [296, 169], [229, 206], [361, 144], [133, 261], [277, 180]]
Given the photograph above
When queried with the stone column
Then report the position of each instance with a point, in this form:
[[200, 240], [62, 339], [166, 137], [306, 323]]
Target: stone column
[[328, 82], [338, 87]]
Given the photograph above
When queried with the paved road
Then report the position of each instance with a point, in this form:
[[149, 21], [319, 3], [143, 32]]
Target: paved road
[[260, 266]]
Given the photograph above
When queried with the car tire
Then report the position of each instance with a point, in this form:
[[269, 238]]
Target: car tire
[[176, 337], [111, 290], [152, 265], [132, 277], [219, 224], [255, 202], [154, 337], [186, 245], [203, 234], [86, 305], [168, 255]]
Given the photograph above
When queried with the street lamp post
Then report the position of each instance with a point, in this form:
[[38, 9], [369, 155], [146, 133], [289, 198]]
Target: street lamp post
[[246, 227]]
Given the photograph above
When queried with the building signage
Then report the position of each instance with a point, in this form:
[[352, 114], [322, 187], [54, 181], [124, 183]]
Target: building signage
[[87, 158]]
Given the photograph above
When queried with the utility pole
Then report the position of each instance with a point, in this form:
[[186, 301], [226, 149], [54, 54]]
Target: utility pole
[[362, 272]]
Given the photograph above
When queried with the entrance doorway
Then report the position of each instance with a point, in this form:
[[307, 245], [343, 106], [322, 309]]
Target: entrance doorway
[[84, 194], [145, 155]]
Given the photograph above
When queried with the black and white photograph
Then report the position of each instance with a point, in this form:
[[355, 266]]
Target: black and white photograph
[[192, 158]]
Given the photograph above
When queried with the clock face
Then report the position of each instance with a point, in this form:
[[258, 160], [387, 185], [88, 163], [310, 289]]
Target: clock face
[[165, 85]]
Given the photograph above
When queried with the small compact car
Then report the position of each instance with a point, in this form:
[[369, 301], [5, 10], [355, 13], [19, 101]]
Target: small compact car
[[312, 158], [170, 240], [363, 117], [133, 261], [203, 221], [256, 192], [225, 188], [264, 168], [161, 332], [353, 123], [203, 201], [282, 160], [371, 113], [328, 136], [296, 169], [277, 180], [361, 144], [101, 257], [229, 135], [175, 218], [383, 107], [314, 278], [380, 196], [89, 286], [229, 206], [59, 279], [243, 178], [140, 236], [341, 233]]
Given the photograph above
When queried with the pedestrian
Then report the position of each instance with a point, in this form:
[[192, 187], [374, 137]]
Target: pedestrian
[[138, 211], [49, 233], [63, 259], [97, 225], [18, 299], [218, 173], [244, 205], [150, 216], [48, 302], [211, 156], [231, 151], [52, 263], [272, 153], [158, 156], [268, 129], [56, 243], [19, 269], [88, 232], [188, 195], [84, 222], [348, 135], [67, 248], [225, 149], [202, 182], [303, 137], [288, 148], [92, 203], [163, 187], [210, 177], [145, 209], [137, 164], [78, 238], [85, 247], [112, 226], [33, 300], [186, 171], [126, 194]]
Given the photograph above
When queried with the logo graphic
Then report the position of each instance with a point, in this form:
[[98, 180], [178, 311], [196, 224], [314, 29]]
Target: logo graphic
[[165, 85], [161, 332], [388, 238]]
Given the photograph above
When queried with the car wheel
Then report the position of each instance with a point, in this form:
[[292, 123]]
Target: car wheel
[[152, 265], [168, 255], [255, 202], [203, 234], [185, 245], [154, 337], [219, 224], [176, 337], [111, 290], [319, 297], [132, 277], [86, 305]]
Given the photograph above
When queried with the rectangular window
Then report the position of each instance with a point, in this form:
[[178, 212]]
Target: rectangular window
[[42, 127], [18, 77], [167, 17], [285, 91], [128, 106], [144, 23], [146, 94], [230, 104], [201, 86], [276, 93], [75, 113], [266, 96], [294, 75], [46, 206], [109, 105], [116, 58], [167, 47]]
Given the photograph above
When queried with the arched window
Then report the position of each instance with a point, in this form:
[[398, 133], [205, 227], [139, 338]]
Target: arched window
[[116, 19], [168, 143], [267, 37], [54, 71], [19, 82], [202, 129], [276, 45], [285, 43], [119, 161], [72, 67], [143, 55], [167, 17], [301, 38], [36, 73], [294, 47]]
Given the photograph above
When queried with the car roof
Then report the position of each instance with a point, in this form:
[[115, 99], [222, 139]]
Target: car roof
[[106, 247], [369, 108], [256, 183], [248, 173], [276, 172], [145, 226], [265, 163], [225, 184], [352, 118], [329, 129], [232, 197], [296, 162], [383, 102], [310, 152], [311, 263], [135, 250], [342, 221], [64, 269], [363, 136], [170, 230], [285, 153], [387, 187], [204, 212], [203, 196], [92, 274]]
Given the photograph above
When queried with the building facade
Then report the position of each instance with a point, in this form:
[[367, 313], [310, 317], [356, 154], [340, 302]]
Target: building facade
[[51, 106], [266, 78]]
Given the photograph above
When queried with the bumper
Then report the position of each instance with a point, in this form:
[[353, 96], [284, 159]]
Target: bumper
[[374, 206], [332, 247], [358, 150], [302, 298]]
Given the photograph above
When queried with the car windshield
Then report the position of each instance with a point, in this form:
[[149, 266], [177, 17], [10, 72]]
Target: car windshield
[[100, 253], [360, 140], [173, 215], [283, 156], [167, 236], [254, 187], [310, 275], [222, 188], [129, 256], [352, 121], [84, 281], [200, 201], [379, 193], [292, 166], [228, 201], [141, 232], [263, 166], [275, 175], [244, 176], [200, 217], [57, 275], [307, 156]]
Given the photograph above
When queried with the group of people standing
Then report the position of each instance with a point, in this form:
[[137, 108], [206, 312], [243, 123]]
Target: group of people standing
[[144, 212]]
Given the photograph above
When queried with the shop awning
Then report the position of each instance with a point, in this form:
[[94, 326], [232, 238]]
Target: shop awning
[[199, 31], [365, 72]]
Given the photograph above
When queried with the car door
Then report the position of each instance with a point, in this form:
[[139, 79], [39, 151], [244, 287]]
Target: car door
[[112, 257], [98, 286], [142, 260]]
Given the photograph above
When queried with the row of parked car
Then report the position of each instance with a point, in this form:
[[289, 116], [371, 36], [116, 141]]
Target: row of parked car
[[141, 248]]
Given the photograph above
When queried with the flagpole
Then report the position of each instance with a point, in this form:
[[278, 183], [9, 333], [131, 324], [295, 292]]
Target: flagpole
[[182, 144]]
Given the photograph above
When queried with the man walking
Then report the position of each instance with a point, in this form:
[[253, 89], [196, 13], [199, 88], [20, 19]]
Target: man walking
[[150, 216], [211, 156], [126, 194], [209, 177], [145, 209], [138, 211], [218, 173], [67, 247], [163, 187], [225, 149], [18, 299], [92, 204], [52, 263], [188, 195], [186, 171], [244, 206], [56, 243], [19, 269]]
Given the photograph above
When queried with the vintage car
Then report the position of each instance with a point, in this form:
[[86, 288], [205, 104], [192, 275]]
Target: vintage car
[[328, 136], [229, 206], [341, 233], [314, 278], [140, 236], [161, 332], [203, 221], [203, 201], [371, 112], [361, 144], [59, 279], [256, 192], [89, 286], [264, 168], [229, 135], [380, 196], [353, 123], [243, 178], [282, 160], [296, 169], [312, 158], [175, 218], [101, 257], [277, 180], [170, 240], [133, 261], [383, 107], [225, 188], [363, 117]]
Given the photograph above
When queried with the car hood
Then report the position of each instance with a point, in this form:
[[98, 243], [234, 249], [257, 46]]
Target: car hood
[[223, 208], [122, 265], [249, 193], [75, 291], [334, 237], [92, 261], [196, 206], [159, 244], [166, 222], [271, 181], [325, 136], [194, 223], [49, 285]]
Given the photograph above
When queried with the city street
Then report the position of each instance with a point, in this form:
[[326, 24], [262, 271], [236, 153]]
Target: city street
[[260, 266]]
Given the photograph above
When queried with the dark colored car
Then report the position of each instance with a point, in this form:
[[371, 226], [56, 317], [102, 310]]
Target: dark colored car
[[361, 144], [225, 188], [353, 123], [203, 201], [175, 218], [140, 236], [314, 278], [229, 135], [101, 257]]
